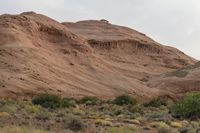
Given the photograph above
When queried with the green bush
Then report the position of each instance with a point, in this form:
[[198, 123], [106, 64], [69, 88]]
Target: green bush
[[160, 101], [188, 107], [68, 102], [125, 100], [89, 100], [48, 100]]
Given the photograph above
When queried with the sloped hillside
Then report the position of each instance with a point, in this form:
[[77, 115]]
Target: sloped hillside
[[178, 82], [123, 45], [36, 53], [39, 54]]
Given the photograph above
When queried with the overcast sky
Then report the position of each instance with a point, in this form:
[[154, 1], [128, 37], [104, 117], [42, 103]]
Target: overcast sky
[[171, 22]]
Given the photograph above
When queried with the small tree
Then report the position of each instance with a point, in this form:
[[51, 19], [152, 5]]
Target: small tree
[[188, 107]]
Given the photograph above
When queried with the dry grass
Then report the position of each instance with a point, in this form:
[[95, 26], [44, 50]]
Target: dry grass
[[17, 129]]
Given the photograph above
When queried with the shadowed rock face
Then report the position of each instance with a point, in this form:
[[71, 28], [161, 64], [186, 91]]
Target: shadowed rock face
[[39, 54]]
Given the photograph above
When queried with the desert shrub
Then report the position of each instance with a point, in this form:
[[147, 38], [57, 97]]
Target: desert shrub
[[48, 100], [162, 127], [76, 124], [17, 129], [158, 116], [4, 114], [160, 101], [32, 109], [11, 109], [78, 111], [112, 109], [68, 102], [9, 106], [188, 107], [8, 102], [135, 108], [73, 122], [89, 100], [125, 100], [43, 114], [115, 110], [175, 124], [102, 122], [123, 129]]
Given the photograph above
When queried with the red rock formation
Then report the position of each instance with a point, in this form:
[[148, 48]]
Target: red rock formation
[[39, 54]]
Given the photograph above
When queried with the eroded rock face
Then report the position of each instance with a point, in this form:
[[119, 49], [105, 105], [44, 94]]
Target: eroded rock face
[[106, 38], [39, 54]]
